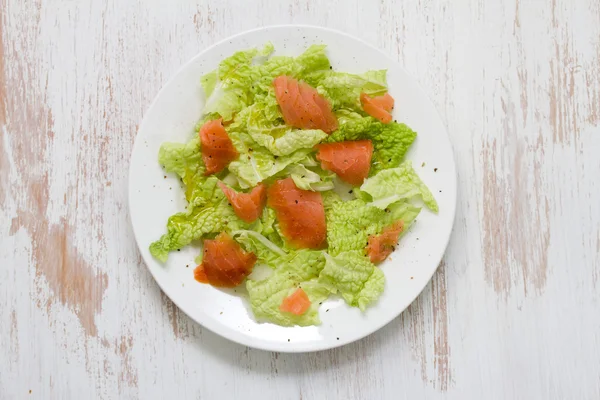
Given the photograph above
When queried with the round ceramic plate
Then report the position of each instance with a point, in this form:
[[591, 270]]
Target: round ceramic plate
[[153, 198]]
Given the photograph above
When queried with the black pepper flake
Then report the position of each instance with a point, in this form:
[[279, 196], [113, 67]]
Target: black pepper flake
[[327, 310], [288, 340], [422, 165], [390, 160], [187, 266], [440, 191], [435, 170], [296, 201], [350, 191], [178, 249], [338, 338], [330, 67], [165, 177]]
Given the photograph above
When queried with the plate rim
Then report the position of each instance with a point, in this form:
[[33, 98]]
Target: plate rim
[[226, 332]]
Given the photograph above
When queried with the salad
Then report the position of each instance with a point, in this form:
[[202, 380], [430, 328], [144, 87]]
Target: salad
[[298, 171]]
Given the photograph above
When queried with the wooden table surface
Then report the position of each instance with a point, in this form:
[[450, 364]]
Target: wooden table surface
[[513, 311]]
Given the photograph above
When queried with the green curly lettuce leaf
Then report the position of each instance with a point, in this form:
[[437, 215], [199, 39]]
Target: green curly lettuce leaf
[[343, 90], [208, 213], [390, 141], [392, 185], [299, 269], [266, 251], [290, 141], [354, 277], [306, 179], [261, 164], [180, 157], [228, 89], [350, 223]]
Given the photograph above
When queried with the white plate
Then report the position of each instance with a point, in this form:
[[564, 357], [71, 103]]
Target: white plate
[[153, 198]]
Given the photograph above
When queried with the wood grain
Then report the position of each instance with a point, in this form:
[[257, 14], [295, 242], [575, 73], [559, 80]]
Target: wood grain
[[513, 311]]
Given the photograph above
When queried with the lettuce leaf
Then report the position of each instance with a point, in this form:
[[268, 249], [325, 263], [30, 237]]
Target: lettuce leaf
[[180, 157], [392, 185], [311, 63], [209, 212], [330, 198], [261, 164], [228, 89], [306, 179], [350, 223], [266, 251], [390, 141], [299, 269], [354, 277], [292, 140], [343, 90]]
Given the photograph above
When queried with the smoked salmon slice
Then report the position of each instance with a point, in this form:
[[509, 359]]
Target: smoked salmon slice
[[200, 274], [217, 149], [351, 160], [380, 246], [302, 106], [247, 206], [300, 213], [224, 263], [378, 107], [296, 303]]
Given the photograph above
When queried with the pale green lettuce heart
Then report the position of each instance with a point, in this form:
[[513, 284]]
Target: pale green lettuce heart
[[343, 90], [392, 185], [208, 213], [180, 157], [354, 277], [306, 179], [261, 164], [299, 269], [350, 223], [313, 61], [229, 88], [292, 140], [266, 251]]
